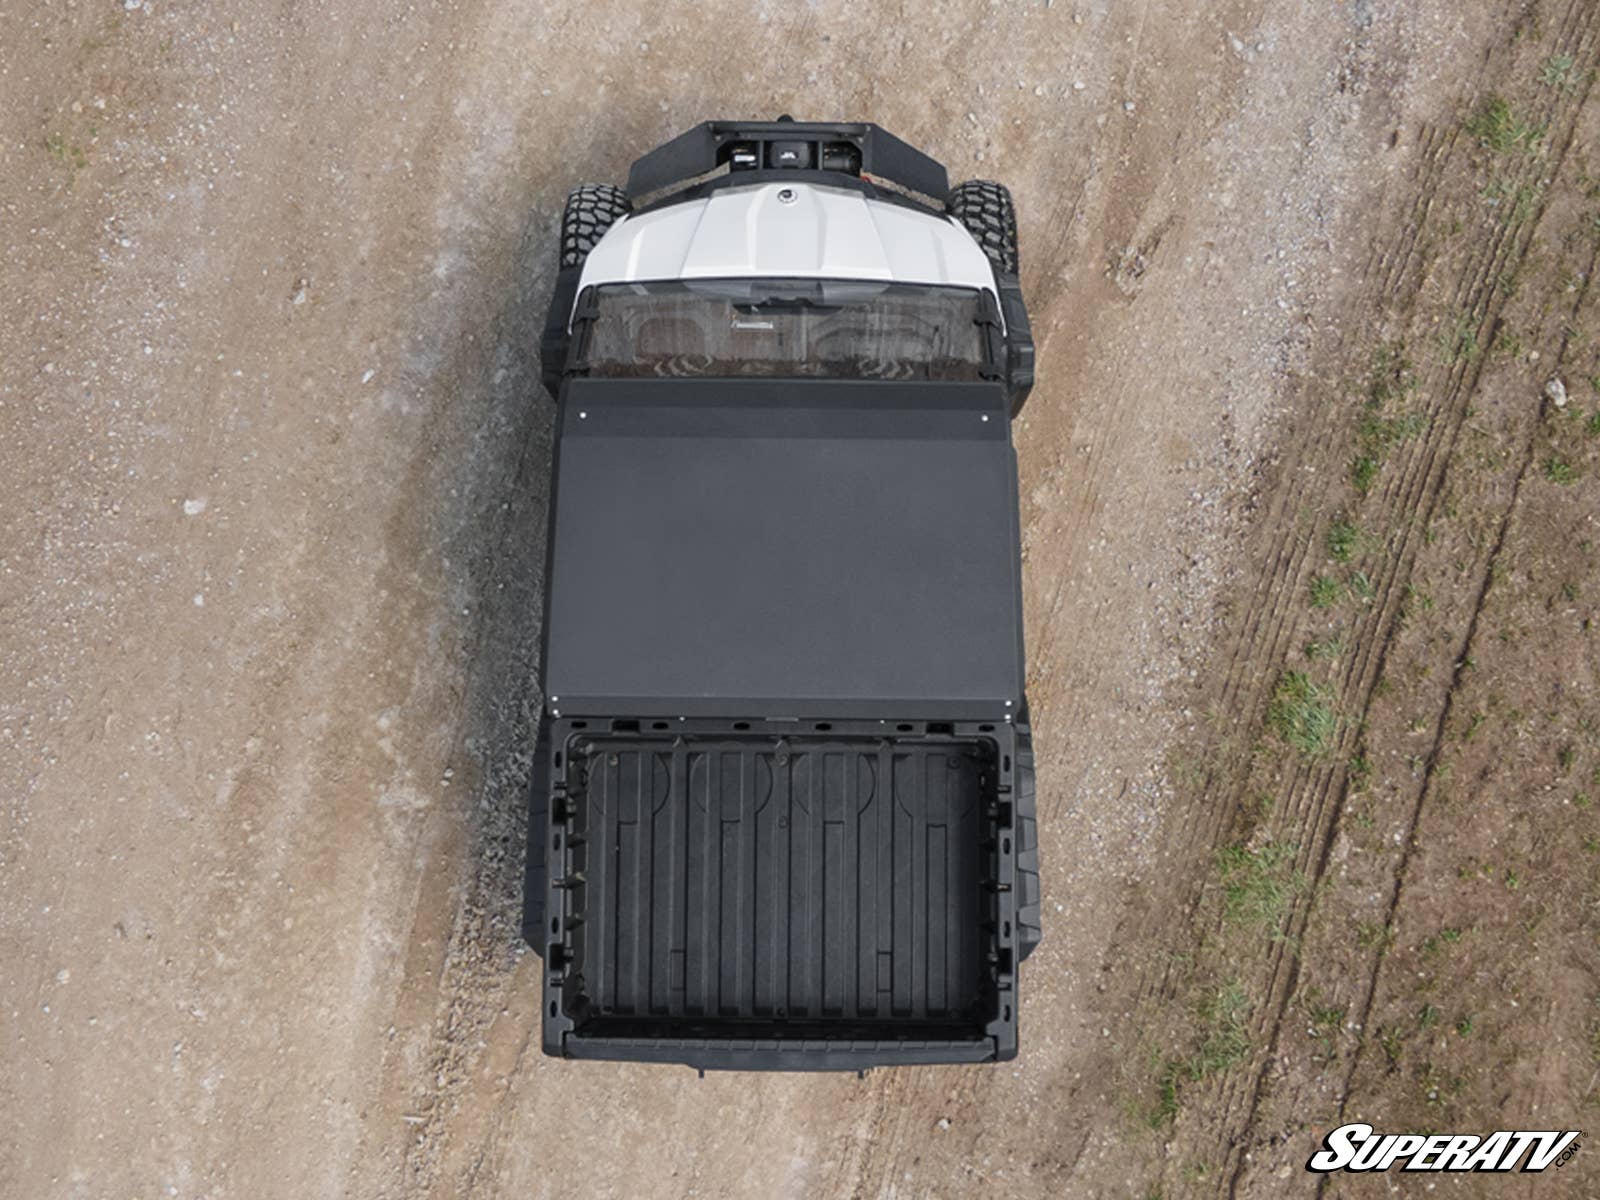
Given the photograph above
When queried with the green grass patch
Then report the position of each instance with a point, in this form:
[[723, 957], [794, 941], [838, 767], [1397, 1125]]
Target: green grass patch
[[1390, 382], [1225, 1039], [1560, 72], [1457, 340], [1363, 472], [1436, 943], [1258, 886], [1301, 714], [1499, 128], [1384, 433], [1515, 202], [1326, 649], [1344, 538], [1222, 1041], [1324, 1017], [1324, 1022], [1559, 470], [1358, 772], [1325, 591]]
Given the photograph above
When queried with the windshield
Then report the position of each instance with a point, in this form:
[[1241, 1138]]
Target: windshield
[[777, 327]]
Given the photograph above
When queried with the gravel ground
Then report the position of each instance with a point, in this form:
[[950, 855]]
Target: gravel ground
[[272, 491]]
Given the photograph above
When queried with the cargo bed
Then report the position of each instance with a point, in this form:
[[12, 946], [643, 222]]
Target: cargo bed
[[778, 894]]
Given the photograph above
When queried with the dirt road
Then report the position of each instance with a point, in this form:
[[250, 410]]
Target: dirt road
[[272, 492]]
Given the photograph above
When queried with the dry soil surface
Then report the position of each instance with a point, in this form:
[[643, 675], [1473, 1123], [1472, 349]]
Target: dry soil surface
[[1310, 588]]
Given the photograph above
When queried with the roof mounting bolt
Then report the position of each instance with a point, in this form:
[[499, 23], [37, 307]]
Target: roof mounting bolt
[[786, 196]]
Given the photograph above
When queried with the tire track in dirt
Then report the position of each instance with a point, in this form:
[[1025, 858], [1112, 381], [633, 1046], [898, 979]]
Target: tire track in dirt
[[1485, 566], [1370, 984], [482, 945], [1391, 260], [1360, 680], [461, 963], [1314, 792], [1485, 583], [1268, 630]]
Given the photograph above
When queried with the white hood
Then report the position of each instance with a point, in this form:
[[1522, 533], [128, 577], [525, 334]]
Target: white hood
[[822, 232]]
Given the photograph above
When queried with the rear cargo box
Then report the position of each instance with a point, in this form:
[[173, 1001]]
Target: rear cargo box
[[732, 894]]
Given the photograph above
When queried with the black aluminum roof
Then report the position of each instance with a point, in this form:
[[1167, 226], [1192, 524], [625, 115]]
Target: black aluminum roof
[[784, 548]]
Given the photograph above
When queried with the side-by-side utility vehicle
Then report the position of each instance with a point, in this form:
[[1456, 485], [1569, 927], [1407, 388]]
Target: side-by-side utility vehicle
[[783, 804]]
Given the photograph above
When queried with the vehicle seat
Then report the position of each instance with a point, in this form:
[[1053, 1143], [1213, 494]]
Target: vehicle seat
[[668, 337]]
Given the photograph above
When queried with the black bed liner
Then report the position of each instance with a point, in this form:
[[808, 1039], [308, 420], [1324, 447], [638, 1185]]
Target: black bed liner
[[766, 895]]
